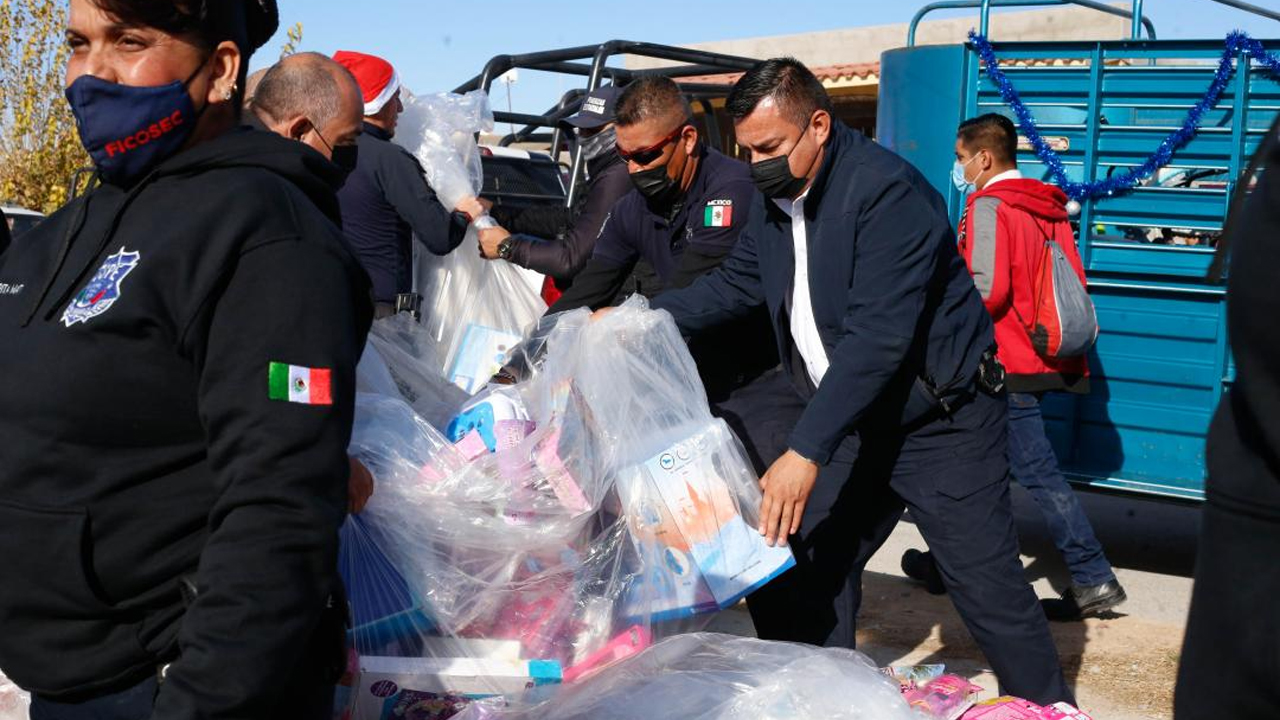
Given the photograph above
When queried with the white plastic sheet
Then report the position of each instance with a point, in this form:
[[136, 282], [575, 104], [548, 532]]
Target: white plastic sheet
[[705, 676], [439, 129]]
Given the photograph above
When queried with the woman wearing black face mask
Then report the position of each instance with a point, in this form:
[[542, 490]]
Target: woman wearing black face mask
[[178, 397]]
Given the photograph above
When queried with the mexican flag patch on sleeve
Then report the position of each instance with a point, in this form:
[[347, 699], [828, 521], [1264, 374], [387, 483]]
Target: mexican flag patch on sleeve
[[297, 384], [719, 213]]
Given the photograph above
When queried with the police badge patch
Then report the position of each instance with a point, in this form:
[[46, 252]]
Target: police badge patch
[[103, 290]]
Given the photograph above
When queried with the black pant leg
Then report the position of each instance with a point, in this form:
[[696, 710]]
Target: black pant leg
[[762, 414], [134, 703], [955, 479], [848, 517], [1231, 655]]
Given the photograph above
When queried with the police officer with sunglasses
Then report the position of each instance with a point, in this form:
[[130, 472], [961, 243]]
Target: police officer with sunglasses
[[683, 217], [688, 203]]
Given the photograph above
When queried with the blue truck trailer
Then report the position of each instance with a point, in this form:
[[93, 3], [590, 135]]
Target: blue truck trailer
[[1162, 360]]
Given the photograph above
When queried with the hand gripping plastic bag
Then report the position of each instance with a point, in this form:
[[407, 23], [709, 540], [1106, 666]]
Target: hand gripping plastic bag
[[705, 676], [474, 310]]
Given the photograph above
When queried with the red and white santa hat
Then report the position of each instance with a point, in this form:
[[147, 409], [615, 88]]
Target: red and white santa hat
[[378, 81]]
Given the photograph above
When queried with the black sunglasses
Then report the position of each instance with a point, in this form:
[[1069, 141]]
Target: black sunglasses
[[647, 155]]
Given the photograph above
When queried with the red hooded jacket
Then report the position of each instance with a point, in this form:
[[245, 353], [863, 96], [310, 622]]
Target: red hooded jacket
[[1002, 238]]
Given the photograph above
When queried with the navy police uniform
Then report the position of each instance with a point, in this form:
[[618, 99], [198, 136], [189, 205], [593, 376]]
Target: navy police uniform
[[385, 203], [681, 243], [898, 419]]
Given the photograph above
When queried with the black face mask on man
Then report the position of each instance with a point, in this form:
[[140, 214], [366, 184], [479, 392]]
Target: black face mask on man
[[344, 157], [773, 176], [656, 185]]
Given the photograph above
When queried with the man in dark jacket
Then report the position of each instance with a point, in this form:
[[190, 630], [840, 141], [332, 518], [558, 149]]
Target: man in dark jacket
[[386, 201], [878, 323], [1003, 231], [553, 241], [683, 216], [1230, 656], [312, 99]]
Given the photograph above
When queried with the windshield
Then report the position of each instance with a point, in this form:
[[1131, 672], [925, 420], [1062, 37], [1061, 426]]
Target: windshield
[[19, 224]]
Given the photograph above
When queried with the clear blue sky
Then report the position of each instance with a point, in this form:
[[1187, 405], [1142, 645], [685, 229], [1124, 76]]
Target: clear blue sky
[[438, 45]]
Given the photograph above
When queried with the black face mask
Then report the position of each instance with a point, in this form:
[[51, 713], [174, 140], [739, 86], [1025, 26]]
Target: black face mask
[[658, 189], [773, 178], [346, 157]]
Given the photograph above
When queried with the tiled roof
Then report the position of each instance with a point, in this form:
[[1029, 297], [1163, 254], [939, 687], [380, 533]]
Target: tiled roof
[[826, 73]]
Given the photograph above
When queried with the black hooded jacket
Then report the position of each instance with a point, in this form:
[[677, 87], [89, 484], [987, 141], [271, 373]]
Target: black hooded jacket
[[1244, 440], [156, 504]]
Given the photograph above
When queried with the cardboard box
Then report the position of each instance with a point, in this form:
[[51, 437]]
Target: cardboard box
[[699, 553], [480, 354], [386, 682]]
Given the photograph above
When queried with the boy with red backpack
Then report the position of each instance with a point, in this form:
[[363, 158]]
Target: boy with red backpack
[[1020, 247]]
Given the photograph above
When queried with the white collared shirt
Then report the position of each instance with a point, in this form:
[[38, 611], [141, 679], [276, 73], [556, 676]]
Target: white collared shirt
[[804, 328], [1013, 174]]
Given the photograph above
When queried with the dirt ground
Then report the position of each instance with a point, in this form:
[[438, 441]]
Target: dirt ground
[[1123, 667]]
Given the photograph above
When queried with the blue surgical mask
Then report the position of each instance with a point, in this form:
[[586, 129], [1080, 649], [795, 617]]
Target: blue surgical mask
[[958, 179], [128, 130]]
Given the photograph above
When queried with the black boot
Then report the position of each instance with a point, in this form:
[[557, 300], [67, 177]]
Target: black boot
[[1079, 601], [920, 566]]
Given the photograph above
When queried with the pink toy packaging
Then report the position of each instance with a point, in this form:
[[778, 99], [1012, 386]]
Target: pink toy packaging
[[1011, 708], [947, 697]]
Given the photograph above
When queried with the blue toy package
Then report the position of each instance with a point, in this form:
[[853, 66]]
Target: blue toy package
[[386, 618], [486, 413], [481, 353], [686, 506]]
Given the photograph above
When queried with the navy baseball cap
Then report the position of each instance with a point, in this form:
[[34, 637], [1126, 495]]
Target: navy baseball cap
[[598, 108]]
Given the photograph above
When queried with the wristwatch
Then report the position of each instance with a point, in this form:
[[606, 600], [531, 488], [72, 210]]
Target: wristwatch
[[506, 247]]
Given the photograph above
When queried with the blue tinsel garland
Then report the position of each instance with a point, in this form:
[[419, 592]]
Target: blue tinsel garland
[[1235, 43]]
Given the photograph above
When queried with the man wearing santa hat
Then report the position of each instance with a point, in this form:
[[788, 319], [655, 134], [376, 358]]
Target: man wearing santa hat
[[386, 200]]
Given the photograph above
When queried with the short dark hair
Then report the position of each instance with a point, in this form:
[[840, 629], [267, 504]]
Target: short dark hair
[[992, 132], [247, 23], [798, 92], [652, 96], [301, 84]]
